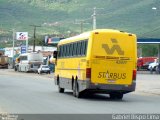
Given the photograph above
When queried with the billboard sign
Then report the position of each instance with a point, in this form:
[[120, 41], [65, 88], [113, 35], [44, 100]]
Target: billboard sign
[[52, 40], [22, 35]]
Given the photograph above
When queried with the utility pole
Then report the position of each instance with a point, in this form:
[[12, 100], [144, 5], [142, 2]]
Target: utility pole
[[45, 3], [94, 17], [81, 22], [34, 35]]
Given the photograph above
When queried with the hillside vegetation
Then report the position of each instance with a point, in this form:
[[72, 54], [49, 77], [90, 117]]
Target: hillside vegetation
[[61, 16]]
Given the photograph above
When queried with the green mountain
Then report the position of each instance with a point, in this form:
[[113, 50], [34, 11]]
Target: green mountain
[[65, 16]]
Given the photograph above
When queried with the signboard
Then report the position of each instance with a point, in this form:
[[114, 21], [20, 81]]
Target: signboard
[[22, 35], [52, 40], [23, 49]]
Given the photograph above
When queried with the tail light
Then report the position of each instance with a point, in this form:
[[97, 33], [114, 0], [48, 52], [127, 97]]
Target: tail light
[[134, 75], [88, 73]]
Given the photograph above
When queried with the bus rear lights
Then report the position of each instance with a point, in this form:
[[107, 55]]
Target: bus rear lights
[[88, 72], [134, 75]]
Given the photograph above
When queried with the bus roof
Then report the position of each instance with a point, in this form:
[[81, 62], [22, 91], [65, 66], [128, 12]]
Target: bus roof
[[86, 35], [78, 37]]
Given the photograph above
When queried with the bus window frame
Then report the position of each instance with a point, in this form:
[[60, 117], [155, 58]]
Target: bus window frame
[[73, 49]]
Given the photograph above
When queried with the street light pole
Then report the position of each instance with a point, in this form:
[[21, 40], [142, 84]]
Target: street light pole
[[94, 18], [13, 36]]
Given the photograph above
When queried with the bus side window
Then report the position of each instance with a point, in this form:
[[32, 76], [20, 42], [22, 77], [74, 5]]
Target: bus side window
[[78, 49], [67, 52], [82, 48], [66, 47], [70, 49], [62, 51], [74, 49], [85, 47]]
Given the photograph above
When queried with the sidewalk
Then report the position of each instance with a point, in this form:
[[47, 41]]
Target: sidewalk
[[148, 83]]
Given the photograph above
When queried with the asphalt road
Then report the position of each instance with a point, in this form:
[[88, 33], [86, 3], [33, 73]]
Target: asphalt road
[[30, 93]]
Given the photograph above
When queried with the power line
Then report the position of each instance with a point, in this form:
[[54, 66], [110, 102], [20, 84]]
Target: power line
[[81, 22], [150, 31]]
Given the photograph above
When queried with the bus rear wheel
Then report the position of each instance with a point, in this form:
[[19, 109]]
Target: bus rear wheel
[[60, 90], [117, 96], [76, 92]]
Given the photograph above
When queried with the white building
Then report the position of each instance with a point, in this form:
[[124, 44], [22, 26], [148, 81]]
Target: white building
[[17, 50]]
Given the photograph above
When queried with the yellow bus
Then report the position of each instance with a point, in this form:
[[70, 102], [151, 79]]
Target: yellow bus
[[99, 61]]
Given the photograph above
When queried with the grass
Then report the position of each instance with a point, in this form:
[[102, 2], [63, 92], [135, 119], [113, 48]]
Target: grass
[[135, 16]]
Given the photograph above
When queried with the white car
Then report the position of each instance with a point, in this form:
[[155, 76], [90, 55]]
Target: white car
[[152, 66], [44, 69]]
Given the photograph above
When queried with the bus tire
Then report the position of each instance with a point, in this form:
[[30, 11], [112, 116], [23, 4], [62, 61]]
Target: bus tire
[[120, 96], [117, 96], [77, 93], [60, 90], [74, 88]]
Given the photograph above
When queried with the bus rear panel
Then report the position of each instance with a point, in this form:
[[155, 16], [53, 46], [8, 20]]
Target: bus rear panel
[[113, 62]]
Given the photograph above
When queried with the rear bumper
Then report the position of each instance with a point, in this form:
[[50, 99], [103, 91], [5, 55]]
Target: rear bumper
[[33, 69], [86, 85], [4, 66], [107, 88], [45, 71]]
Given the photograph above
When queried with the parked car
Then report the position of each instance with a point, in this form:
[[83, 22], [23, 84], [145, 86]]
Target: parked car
[[146, 65], [44, 69], [143, 62], [158, 68], [152, 66]]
